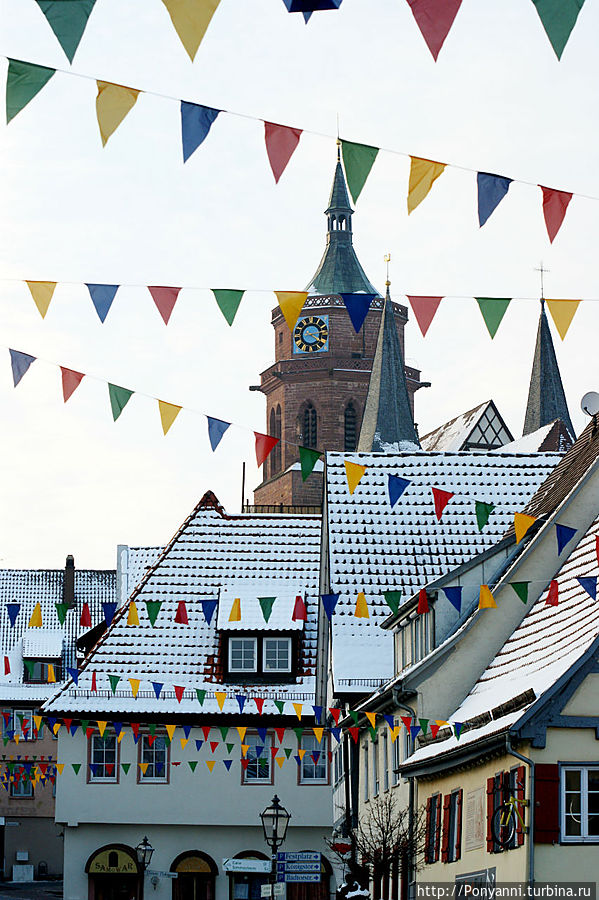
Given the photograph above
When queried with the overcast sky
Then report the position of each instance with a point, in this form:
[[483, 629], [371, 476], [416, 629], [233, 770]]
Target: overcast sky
[[497, 100]]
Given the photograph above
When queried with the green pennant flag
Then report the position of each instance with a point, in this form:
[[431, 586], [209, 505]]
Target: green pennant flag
[[298, 733], [354, 715], [84, 725], [521, 589], [76, 767], [493, 310], [392, 599], [201, 695], [483, 511], [287, 751], [125, 767], [192, 763], [228, 302], [280, 704], [153, 607], [266, 604], [424, 725], [20, 717], [558, 18], [358, 160], [24, 81], [152, 730], [114, 680], [262, 762], [230, 748], [373, 734], [30, 666], [67, 19], [308, 459], [223, 732], [119, 398], [61, 611]]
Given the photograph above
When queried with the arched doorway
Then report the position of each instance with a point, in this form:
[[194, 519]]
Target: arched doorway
[[196, 873], [113, 874], [248, 885], [315, 890]]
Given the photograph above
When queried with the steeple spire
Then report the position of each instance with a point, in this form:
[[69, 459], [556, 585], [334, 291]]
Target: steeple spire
[[546, 397]]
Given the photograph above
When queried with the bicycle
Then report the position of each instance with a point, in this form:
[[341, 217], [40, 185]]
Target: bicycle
[[505, 818]]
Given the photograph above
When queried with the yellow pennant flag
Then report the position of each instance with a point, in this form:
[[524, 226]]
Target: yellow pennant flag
[[486, 599], [120, 737], [51, 675], [184, 743], [298, 707], [132, 616], [59, 768], [301, 753], [235, 614], [361, 611], [371, 718], [134, 682], [17, 737], [423, 174], [291, 304], [144, 767], [112, 105], [280, 760], [244, 749], [191, 18], [562, 313], [522, 523], [318, 733], [36, 617], [441, 722], [395, 733], [42, 291], [211, 763], [37, 721], [241, 730], [221, 696], [102, 727], [168, 414], [170, 730], [353, 472], [56, 727]]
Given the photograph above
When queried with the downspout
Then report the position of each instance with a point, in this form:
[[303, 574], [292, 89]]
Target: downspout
[[531, 817], [412, 792]]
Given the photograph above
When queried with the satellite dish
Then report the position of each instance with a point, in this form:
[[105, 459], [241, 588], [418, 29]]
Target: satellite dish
[[590, 403]]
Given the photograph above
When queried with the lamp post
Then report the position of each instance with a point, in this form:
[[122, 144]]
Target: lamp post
[[275, 820], [144, 852]]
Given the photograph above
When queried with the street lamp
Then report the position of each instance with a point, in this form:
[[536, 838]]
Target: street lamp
[[144, 852], [275, 820]]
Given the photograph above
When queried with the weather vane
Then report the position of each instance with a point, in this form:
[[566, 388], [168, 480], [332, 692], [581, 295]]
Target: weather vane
[[387, 259]]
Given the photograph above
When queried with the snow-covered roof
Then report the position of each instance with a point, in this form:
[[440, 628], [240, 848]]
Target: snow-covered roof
[[41, 643], [140, 559], [554, 436], [373, 547], [457, 433], [209, 553], [252, 617]]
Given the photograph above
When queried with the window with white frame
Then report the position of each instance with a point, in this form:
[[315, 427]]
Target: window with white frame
[[375, 766], [395, 754], [103, 752], [276, 654], [366, 772], [153, 759], [314, 768], [580, 803], [242, 654], [259, 757], [20, 784], [385, 752]]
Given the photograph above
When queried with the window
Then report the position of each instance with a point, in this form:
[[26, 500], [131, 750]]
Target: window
[[35, 671], [276, 654], [314, 768], [375, 766], [103, 763], [242, 654], [20, 785], [366, 773], [259, 767], [385, 760], [396, 755], [580, 803], [153, 760], [433, 828], [20, 723], [452, 826], [350, 428], [309, 427], [338, 764]]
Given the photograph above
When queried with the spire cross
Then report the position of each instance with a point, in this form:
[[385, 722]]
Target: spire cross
[[542, 270]]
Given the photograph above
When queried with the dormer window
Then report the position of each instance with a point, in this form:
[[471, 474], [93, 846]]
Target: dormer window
[[36, 671], [277, 654], [242, 654], [260, 657]]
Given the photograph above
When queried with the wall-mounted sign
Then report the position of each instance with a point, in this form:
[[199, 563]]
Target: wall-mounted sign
[[260, 866]]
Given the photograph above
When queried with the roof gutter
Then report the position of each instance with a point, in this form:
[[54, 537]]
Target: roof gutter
[[531, 817]]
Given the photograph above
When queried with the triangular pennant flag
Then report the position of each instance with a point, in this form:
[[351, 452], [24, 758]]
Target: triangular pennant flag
[[259, 701], [329, 602], [300, 753], [24, 81], [457, 729], [522, 523], [118, 727], [281, 141], [186, 731], [555, 204], [216, 429], [280, 704], [102, 296], [67, 20], [434, 19], [76, 767], [153, 608], [114, 680], [371, 718], [42, 292], [144, 767], [228, 763], [521, 589], [170, 730], [221, 696], [389, 720], [336, 732], [208, 607], [109, 610], [564, 535], [493, 310], [357, 306], [265, 444], [13, 610], [51, 675], [168, 414], [157, 685], [244, 764], [308, 459], [355, 716], [241, 730], [454, 595], [355, 733], [201, 695], [199, 745], [235, 614], [125, 767], [396, 487], [70, 381], [241, 701], [280, 733], [562, 313], [181, 614], [298, 707], [224, 731], [119, 398], [486, 599], [192, 763], [300, 614], [434, 729], [358, 160], [179, 690], [165, 299], [29, 666], [407, 720], [94, 685], [361, 610], [266, 604], [74, 674], [553, 594], [414, 731], [483, 511], [353, 473], [423, 174], [424, 309], [424, 725], [196, 122], [491, 191], [132, 614], [228, 302], [423, 606], [589, 584], [20, 362], [135, 683], [280, 760], [191, 19], [262, 734], [102, 728], [393, 600], [440, 499], [36, 617], [6, 666], [113, 103], [558, 18]]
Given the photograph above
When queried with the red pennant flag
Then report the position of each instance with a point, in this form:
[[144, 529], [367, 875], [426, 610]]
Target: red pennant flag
[[335, 711], [434, 729], [165, 299], [86, 620], [422, 602], [441, 499], [407, 720], [94, 684], [181, 614], [213, 745], [274, 751], [280, 733], [68, 723], [205, 731], [424, 308], [597, 547], [330, 755], [552, 596], [355, 733], [555, 204], [89, 731], [179, 691], [281, 141], [434, 19], [6, 665], [259, 701], [265, 444], [70, 381], [299, 610], [135, 728], [244, 764]]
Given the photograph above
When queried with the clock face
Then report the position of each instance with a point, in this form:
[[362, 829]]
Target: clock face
[[311, 334]]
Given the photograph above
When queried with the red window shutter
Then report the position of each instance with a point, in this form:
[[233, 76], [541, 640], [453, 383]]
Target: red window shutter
[[437, 827], [427, 839], [458, 842], [490, 811], [445, 844], [546, 803], [520, 794]]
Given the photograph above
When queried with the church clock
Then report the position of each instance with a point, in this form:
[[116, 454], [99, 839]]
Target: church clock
[[311, 334]]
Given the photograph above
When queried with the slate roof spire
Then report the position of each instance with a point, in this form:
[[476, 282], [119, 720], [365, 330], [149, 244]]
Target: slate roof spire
[[388, 424], [546, 397], [339, 270]]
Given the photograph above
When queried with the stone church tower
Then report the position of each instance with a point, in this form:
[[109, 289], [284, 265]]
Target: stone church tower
[[317, 387]]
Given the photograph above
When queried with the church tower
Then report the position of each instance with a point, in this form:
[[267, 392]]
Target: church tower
[[317, 387]]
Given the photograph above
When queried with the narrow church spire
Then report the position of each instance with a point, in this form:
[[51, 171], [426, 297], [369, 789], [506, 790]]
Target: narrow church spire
[[546, 397], [388, 424]]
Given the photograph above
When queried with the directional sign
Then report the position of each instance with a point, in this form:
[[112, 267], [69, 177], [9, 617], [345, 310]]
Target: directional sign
[[298, 876], [294, 856], [298, 867]]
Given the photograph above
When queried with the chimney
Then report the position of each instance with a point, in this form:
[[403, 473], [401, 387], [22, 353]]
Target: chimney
[[68, 584]]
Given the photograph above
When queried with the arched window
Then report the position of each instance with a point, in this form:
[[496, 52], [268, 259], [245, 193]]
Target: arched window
[[342, 223], [272, 431], [196, 874], [309, 427], [275, 431], [350, 427]]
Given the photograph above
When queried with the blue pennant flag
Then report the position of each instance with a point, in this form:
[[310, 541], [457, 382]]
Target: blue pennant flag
[[357, 306], [491, 191], [208, 607], [454, 595], [74, 674], [389, 720], [13, 611], [457, 728], [159, 768], [109, 610], [102, 296], [307, 7], [298, 759], [196, 122], [199, 745], [118, 727], [20, 362], [336, 732], [589, 583], [414, 731], [241, 701], [262, 734], [51, 723], [216, 429], [564, 535], [397, 486], [73, 729], [157, 685], [258, 750], [315, 757], [329, 602], [317, 713], [94, 768], [228, 763]]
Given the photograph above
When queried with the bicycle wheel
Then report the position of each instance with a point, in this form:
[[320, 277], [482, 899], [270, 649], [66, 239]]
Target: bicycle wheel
[[503, 824]]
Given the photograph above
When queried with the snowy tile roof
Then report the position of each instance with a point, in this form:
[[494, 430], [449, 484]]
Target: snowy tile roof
[[252, 617], [529, 443], [41, 643], [453, 435], [139, 560], [210, 551], [373, 548]]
